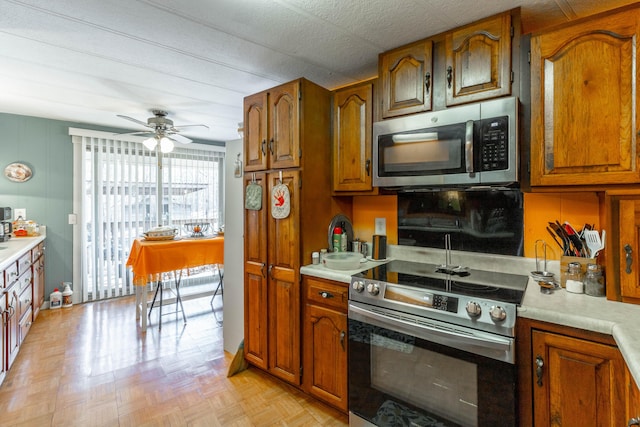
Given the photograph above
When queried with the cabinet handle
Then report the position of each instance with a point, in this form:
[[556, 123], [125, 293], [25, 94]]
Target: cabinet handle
[[367, 166], [629, 250], [427, 81], [449, 76], [342, 335], [634, 422], [270, 270], [539, 365], [271, 142], [325, 294], [262, 270], [264, 147]]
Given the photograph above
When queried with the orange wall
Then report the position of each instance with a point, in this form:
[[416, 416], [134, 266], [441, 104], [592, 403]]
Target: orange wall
[[539, 209], [367, 208], [577, 209]]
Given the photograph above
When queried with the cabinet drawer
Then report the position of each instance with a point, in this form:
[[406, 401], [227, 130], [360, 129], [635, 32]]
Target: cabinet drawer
[[11, 274], [37, 252], [25, 280], [24, 262], [25, 325], [331, 294], [24, 301]]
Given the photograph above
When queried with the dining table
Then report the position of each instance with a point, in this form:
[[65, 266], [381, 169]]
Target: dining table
[[149, 260]]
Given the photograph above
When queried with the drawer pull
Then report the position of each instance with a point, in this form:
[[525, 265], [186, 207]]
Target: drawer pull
[[634, 422], [629, 250], [342, 335], [539, 365], [325, 294]]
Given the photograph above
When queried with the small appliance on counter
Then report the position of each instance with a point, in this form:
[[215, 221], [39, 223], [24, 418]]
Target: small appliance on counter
[[5, 224]]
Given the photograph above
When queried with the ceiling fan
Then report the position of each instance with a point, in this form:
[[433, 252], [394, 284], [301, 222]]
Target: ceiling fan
[[163, 133]]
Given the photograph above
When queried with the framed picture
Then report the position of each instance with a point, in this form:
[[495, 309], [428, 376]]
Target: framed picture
[[18, 172]]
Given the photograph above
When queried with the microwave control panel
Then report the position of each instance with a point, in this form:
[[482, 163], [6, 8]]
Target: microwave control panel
[[494, 144]]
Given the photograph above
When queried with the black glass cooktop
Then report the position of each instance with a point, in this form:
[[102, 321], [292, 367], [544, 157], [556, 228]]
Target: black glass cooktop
[[503, 287]]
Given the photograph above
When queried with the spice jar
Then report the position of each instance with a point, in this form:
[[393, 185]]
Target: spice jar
[[574, 281], [593, 281]]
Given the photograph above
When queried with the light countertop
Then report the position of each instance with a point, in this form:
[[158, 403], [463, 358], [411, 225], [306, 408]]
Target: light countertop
[[13, 248], [580, 311]]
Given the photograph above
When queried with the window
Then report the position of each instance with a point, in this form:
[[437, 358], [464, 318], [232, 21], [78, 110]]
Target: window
[[121, 189]]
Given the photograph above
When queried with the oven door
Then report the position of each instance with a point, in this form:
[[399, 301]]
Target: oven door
[[420, 378]]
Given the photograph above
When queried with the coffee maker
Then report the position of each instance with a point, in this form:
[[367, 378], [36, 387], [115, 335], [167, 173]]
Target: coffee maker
[[5, 224]]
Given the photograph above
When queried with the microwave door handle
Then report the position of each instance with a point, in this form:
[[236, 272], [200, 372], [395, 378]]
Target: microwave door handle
[[468, 147]]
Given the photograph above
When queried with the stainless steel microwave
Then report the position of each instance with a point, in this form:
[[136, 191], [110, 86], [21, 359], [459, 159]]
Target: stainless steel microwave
[[466, 146]]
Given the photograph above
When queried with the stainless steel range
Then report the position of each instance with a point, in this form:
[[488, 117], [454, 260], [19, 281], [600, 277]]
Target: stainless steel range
[[432, 345]]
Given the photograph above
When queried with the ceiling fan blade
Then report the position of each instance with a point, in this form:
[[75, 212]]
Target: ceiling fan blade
[[179, 138], [134, 120], [141, 133], [176, 128]]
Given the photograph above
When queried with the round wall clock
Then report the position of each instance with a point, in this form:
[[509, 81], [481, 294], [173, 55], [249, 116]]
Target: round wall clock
[[18, 172]]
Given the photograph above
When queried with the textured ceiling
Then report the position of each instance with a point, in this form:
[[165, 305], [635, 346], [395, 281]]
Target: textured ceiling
[[87, 60]]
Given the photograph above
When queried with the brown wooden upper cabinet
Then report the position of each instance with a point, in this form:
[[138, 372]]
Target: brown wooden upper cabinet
[[479, 60], [352, 127], [584, 103], [406, 74], [271, 128]]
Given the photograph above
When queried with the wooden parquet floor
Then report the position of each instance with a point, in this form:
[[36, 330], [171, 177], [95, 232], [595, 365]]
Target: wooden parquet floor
[[90, 365]]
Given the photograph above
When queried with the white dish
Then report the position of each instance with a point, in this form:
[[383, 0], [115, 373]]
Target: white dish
[[342, 260], [377, 260]]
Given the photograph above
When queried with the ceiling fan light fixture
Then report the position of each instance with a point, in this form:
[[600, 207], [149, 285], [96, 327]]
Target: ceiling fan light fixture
[[166, 145], [150, 143]]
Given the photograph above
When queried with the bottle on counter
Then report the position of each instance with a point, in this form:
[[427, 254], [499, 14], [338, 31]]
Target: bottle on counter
[[593, 281], [575, 281], [337, 239]]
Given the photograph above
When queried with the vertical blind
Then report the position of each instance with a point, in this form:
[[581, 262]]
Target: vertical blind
[[125, 189]]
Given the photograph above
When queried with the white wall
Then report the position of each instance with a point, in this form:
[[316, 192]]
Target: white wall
[[233, 305]]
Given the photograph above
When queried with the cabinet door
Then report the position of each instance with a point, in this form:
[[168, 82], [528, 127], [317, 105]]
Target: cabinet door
[[352, 126], [325, 355], [255, 132], [284, 130], [38, 285], [255, 277], [284, 286], [13, 336], [580, 383], [583, 103], [633, 397], [4, 366], [479, 61], [407, 82], [629, 246]]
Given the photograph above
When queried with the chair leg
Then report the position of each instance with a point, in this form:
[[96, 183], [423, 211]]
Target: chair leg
[[220, 286]]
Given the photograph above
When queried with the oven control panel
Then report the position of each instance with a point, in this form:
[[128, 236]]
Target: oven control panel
[[463, 310], [402, 294]]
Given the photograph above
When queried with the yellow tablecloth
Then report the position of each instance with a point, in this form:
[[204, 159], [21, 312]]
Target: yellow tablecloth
[[149, 258]]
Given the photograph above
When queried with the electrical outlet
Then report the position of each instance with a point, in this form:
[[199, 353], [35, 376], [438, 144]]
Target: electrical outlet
[[20, 213], [381, 226]]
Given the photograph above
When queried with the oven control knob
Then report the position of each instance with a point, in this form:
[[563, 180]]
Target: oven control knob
[[473, 309], [373, 288], [497, 313], [358, 286]]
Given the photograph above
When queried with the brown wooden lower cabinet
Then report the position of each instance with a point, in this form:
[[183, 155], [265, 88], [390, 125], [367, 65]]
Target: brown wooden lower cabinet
[[571, 377], [324, 342], [633, 398]]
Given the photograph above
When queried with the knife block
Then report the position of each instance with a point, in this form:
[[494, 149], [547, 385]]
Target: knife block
[[564, 266]]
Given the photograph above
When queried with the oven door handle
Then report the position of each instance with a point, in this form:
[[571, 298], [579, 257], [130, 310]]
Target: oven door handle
[[428, 332]]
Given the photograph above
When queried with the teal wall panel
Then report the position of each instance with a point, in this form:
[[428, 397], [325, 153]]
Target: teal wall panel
[[45, 145]]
